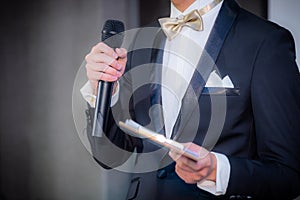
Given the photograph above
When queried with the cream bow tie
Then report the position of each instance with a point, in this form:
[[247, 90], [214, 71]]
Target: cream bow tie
[[173, 26]]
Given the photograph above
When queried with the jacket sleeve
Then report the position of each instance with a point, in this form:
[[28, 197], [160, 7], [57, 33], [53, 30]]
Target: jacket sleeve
[[275, 98]]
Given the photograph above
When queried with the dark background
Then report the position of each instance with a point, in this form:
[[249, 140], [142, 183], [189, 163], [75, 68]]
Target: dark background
[[43, 43]]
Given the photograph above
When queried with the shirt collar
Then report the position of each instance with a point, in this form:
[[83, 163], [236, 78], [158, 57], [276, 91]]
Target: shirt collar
[[196, 5]]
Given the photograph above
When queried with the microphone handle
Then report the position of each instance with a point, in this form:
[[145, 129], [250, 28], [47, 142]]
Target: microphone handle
[[102, 110]]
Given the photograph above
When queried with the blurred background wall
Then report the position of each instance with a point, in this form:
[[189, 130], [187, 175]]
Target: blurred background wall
[[286, 13], [43, 43]]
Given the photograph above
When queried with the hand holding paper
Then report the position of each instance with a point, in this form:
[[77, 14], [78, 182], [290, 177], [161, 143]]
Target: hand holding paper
[[193, 163], [194, 171]]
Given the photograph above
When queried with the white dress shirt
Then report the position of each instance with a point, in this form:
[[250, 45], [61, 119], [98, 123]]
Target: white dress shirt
[[181, 59], [177, 60]]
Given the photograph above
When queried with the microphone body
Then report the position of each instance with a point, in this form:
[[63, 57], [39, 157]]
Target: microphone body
[[112, 35]]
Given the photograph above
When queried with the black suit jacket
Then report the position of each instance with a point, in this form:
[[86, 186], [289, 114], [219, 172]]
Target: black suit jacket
[[260, 129]]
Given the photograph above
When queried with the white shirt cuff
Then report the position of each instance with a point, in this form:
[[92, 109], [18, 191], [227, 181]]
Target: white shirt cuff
[[222, 177], [115, 96], [87, 94]]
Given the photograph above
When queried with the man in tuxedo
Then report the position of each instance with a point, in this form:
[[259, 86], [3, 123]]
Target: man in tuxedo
[[238, 107]]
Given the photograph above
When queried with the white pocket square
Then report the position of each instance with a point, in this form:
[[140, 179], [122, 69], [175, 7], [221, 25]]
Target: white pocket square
[[214, 80]]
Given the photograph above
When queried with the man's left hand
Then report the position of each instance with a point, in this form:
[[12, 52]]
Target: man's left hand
[[194, 171]]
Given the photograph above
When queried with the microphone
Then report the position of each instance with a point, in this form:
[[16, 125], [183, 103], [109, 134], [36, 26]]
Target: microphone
[[111, 28]]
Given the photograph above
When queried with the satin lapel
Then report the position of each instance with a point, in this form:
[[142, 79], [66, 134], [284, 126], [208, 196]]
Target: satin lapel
[[212, 48], [156, 112]]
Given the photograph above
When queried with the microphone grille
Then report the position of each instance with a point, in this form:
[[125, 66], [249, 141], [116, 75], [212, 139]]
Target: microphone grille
[[111, 28]]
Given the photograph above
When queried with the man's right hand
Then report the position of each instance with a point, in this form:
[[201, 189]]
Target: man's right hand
[[106, 64]]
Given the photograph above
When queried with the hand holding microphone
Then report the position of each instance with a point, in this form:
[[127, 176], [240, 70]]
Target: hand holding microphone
[[105, 65]]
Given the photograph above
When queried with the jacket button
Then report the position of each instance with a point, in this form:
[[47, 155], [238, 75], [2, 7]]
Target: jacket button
[[162, 173]]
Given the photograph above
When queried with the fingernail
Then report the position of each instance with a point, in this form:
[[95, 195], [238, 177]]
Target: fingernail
[[118, 50], [119, 74], [115, 55]]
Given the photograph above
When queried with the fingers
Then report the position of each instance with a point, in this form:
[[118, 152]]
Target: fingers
[[188, 177], [187, 163], [104, 48], [95, 57], [121, 52], [104, 63], [202, 152], [174, 155], [94, 76], [101, 67], [122, 59], [192, 171]]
